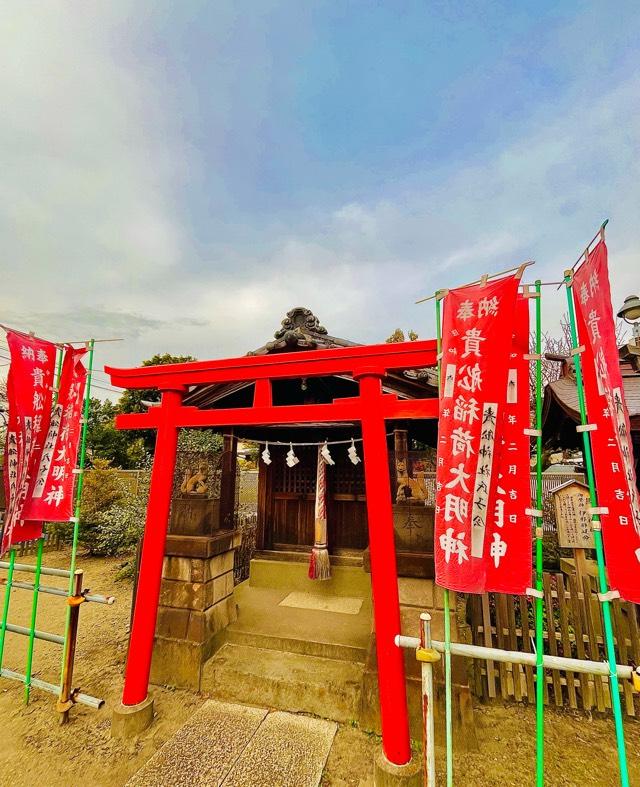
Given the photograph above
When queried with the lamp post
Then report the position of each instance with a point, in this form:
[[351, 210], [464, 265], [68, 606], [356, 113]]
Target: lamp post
[[630, 313]]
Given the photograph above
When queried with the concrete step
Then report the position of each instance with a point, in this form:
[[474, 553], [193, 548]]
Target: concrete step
[[327, 650], [277, 574], [285, 681], [263, 622]]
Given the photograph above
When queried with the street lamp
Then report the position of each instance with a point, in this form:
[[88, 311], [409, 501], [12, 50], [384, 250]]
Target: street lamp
[[630, 313]]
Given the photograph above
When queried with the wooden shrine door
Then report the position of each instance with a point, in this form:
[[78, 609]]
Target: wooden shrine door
[[286, 501], [293, 498]]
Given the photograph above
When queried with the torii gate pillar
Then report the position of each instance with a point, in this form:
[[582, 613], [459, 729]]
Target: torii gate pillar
[[384, 575], [136, 679], [368, 364]]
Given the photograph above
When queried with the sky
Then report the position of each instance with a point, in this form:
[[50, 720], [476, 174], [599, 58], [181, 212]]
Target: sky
[[180, 175]]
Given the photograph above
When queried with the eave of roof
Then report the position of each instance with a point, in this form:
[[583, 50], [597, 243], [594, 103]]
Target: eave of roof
[[564, 393]]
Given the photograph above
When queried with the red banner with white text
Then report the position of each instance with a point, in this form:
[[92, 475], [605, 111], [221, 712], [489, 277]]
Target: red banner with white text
[[611, 444], [475, 359], [509, 569], [51, 495], [29, 393]]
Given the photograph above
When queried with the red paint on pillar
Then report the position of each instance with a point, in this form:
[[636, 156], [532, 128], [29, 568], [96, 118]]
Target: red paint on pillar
[[143, 627], [384, 576]]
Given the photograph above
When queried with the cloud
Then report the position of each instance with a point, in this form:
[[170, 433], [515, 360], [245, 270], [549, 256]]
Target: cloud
[[86, 206], [100, 167]]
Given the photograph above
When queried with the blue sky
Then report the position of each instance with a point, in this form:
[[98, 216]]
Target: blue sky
[[183, 174]]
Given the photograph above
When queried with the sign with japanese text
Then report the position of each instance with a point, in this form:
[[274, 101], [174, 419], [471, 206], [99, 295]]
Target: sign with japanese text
[[476, 352], [573, 521], [51, 496], [611, 439], [509, 533], [29, 393]]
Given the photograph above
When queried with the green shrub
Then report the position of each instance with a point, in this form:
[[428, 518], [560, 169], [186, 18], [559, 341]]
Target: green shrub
[[118, 529]]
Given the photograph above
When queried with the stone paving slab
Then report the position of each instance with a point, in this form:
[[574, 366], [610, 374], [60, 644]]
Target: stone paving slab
[[202, 752], [345, 605], [287, 751]]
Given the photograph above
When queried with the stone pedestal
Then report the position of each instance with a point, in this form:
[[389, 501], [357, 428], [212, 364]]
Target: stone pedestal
[[130, 720], [386, 774], [196, 605], [194, 515], [413, 525]]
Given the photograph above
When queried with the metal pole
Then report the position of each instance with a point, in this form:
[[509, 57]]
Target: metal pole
[[5, 606], [95, 597], [585, 666], [538, 601], [43, 635], [79, 697], [65, 701], [597, 535], [79, 485], [50, 572], [447, 608], [36, 581], [426, 656]]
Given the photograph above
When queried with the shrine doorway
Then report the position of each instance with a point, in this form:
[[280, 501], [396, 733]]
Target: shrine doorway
[[286, 503]]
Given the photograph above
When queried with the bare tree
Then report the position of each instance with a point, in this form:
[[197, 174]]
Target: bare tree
[[556, 351]]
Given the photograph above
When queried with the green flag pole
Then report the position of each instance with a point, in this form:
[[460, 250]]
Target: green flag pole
[[539, 627], [5, 605], [447, 608], [597, 535], [38, 569], [79, 486]]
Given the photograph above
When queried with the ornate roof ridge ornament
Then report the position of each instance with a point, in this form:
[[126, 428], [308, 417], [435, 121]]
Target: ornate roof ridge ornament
[[300, 319], [300, 328]]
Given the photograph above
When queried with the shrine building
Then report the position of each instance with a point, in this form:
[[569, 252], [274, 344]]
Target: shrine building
[[238, 615]]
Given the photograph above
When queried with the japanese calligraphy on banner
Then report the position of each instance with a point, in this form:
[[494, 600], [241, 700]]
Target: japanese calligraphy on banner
[[29, 392], [509, 534], [51, 495], [476, 352], [611, 440]]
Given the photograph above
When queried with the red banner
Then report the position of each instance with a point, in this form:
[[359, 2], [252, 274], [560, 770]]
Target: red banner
[[29, 392], [509, 569], [611, 440], [475, 362], [51, 496]]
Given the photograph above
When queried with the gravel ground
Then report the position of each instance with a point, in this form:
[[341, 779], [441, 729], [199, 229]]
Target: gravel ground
[[35, 750]]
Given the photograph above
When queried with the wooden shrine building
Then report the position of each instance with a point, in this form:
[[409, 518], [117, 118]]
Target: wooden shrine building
[[286, 496], [193, 625]]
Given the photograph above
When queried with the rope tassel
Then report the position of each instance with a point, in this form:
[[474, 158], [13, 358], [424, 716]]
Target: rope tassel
[[319, 564]]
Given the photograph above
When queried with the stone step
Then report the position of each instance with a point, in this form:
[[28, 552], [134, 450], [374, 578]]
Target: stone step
[[292, 556], [287, 644], [277, 574], [285, 681], [264, 622]]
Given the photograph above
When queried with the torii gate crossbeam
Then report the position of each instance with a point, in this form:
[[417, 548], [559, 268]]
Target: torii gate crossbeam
[[367, 364]]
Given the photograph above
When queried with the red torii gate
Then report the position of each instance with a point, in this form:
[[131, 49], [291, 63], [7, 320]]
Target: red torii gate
[[368, 364]]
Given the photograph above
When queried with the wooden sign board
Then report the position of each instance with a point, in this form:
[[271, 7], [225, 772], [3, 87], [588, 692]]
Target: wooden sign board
[[571, 503]]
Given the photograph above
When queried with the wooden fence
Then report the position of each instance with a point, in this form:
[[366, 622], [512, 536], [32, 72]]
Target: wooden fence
[[573, 628], [52, 541]]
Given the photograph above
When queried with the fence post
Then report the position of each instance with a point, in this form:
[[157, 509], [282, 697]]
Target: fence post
[[427, 656], [75, 598]]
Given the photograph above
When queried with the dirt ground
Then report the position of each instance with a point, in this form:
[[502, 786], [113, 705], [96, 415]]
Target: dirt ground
[[36, 750]]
